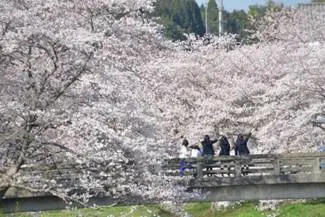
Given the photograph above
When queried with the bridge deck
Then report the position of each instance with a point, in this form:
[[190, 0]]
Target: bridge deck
[[252, 169], [254, 177]]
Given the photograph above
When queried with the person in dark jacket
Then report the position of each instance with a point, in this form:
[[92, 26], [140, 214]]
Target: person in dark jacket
[[241, 149], [241, 144], [207, 145], [208, 150], [224, 151], [225, 146]]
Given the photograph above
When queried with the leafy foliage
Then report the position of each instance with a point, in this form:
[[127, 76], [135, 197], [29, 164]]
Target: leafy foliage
[[213, 17], [179, 17]]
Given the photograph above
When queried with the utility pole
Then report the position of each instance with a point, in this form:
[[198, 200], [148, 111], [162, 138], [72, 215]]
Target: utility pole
[[220, 18], [206, 18]]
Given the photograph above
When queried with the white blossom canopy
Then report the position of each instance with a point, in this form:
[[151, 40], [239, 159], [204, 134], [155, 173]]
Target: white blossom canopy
[[94, 82]]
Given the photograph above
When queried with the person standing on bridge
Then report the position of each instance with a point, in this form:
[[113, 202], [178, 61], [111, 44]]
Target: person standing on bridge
[[207, 145], [195, 151], [224, 151], [184, 153], [241, 149], [208, 151], [224, 146], [241, 144]]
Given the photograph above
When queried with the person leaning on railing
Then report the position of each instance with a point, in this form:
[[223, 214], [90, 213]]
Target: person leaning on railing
[[208, 151], [224, 146], [241, 144], [224, 151], [184, 153], [207, 145], [241, 149], [195, 153]]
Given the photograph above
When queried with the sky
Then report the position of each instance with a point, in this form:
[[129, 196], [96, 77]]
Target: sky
[[230, 5]]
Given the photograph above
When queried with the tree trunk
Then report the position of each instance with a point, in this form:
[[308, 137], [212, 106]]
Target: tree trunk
[[3, 190]]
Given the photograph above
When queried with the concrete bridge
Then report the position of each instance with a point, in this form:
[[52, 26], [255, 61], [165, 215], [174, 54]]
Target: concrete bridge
[[255, 177], [229, 178]]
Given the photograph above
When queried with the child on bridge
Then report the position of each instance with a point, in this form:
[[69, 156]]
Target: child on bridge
[[184, 153]]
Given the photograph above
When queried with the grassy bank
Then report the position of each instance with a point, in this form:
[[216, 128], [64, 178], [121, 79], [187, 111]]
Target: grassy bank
[[309, 209]]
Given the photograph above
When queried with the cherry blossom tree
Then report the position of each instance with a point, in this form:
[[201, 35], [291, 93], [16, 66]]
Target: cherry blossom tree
[[55, 107], [272, 87], [94, 85]]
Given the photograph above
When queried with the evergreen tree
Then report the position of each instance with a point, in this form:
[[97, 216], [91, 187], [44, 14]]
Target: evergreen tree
[[179, 17], [194, 19], [213, 17], [236, 22], [257, 11], [202, 11]]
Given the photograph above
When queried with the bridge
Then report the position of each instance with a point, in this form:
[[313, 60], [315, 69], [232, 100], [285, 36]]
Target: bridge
[[228, 178], [254, 177]]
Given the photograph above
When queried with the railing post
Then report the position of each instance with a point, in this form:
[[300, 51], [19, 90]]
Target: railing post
[[199, 169], [316, 165], [276, 166], [238, 167]]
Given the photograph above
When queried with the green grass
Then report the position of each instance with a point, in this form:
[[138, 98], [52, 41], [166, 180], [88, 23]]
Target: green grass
[[243, 210], [125, 211], [310, 209], [247, 209]]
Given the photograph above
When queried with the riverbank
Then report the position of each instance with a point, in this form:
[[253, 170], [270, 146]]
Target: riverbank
[[247, 209]]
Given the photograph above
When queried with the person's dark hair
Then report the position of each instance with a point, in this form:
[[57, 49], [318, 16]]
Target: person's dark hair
[[206, 137], [185, 142]]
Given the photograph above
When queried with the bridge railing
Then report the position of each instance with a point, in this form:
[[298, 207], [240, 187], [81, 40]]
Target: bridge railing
[[251, 165]]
